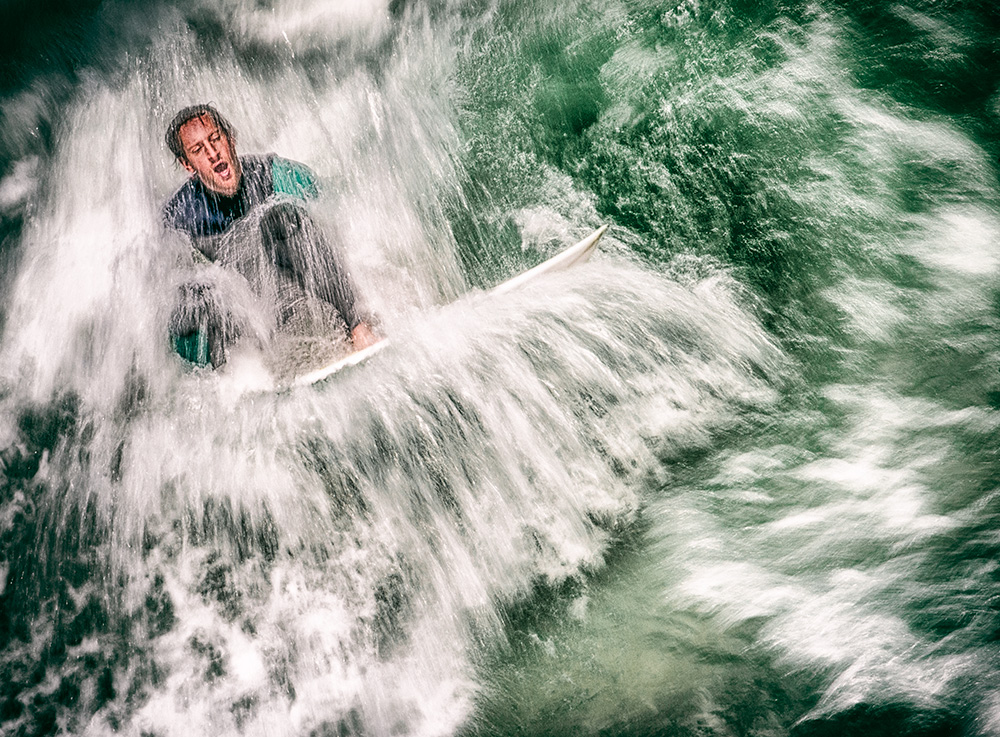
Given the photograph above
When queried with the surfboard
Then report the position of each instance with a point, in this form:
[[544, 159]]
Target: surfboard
[[576, 254]]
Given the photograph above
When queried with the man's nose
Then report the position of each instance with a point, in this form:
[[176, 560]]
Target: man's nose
[[214, 152]]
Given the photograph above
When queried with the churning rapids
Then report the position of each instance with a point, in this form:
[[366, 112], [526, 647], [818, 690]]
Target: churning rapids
[[737, 475]]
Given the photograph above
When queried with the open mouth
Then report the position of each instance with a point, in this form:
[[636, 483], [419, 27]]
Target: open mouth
[[221, 167]]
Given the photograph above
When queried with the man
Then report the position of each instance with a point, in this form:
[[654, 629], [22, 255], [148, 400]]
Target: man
[[226, 191]]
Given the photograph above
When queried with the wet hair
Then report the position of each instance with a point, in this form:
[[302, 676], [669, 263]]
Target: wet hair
[[173, 137]]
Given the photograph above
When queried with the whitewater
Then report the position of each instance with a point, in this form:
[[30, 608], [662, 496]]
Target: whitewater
[[736, 475]]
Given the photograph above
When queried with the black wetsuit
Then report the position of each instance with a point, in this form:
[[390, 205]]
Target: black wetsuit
[[292, 243]]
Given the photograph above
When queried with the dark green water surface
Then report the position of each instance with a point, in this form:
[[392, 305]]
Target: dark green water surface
[[739, 478]]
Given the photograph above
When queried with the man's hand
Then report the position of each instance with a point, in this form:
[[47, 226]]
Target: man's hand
[[362, 336]]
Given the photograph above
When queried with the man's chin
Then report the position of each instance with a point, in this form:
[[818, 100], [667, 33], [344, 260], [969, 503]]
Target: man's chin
[[226, 187]]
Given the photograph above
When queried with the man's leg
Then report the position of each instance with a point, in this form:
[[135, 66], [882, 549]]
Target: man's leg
[[296, 245], [200, 329]]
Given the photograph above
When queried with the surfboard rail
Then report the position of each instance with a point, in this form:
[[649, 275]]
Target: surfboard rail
[[576, 254]]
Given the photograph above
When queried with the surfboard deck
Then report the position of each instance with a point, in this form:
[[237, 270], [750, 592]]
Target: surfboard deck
[[576, 254]]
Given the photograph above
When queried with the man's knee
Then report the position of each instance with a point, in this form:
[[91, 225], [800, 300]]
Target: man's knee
[[283, 221], [201, 329], [292, 241], [194, 308], [285, 229]]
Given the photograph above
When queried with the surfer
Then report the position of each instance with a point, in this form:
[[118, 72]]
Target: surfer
[[226, 193]]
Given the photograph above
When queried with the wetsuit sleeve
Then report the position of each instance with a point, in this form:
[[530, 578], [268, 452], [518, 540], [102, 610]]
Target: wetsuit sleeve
[[293, 179], [173, 216], [342, 295]]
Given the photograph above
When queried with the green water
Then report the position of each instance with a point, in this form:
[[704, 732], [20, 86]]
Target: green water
[[737, 479]]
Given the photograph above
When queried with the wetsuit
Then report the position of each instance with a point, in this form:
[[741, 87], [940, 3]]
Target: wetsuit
[[201, 213], [292, 243]]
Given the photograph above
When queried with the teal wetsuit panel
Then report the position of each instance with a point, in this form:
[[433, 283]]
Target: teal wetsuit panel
[[192, 347], [293, 179]]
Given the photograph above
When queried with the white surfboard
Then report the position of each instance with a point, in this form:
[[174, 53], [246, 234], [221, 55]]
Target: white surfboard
[[575, 254]]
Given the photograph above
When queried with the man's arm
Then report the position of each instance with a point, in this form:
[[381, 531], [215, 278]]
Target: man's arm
[[298, 180]]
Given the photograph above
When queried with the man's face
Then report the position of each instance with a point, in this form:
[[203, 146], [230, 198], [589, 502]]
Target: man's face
[[209, 154]]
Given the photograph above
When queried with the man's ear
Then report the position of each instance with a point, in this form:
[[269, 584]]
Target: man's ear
[[187, 167]]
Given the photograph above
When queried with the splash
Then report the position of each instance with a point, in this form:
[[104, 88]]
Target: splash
[[187, 556]]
